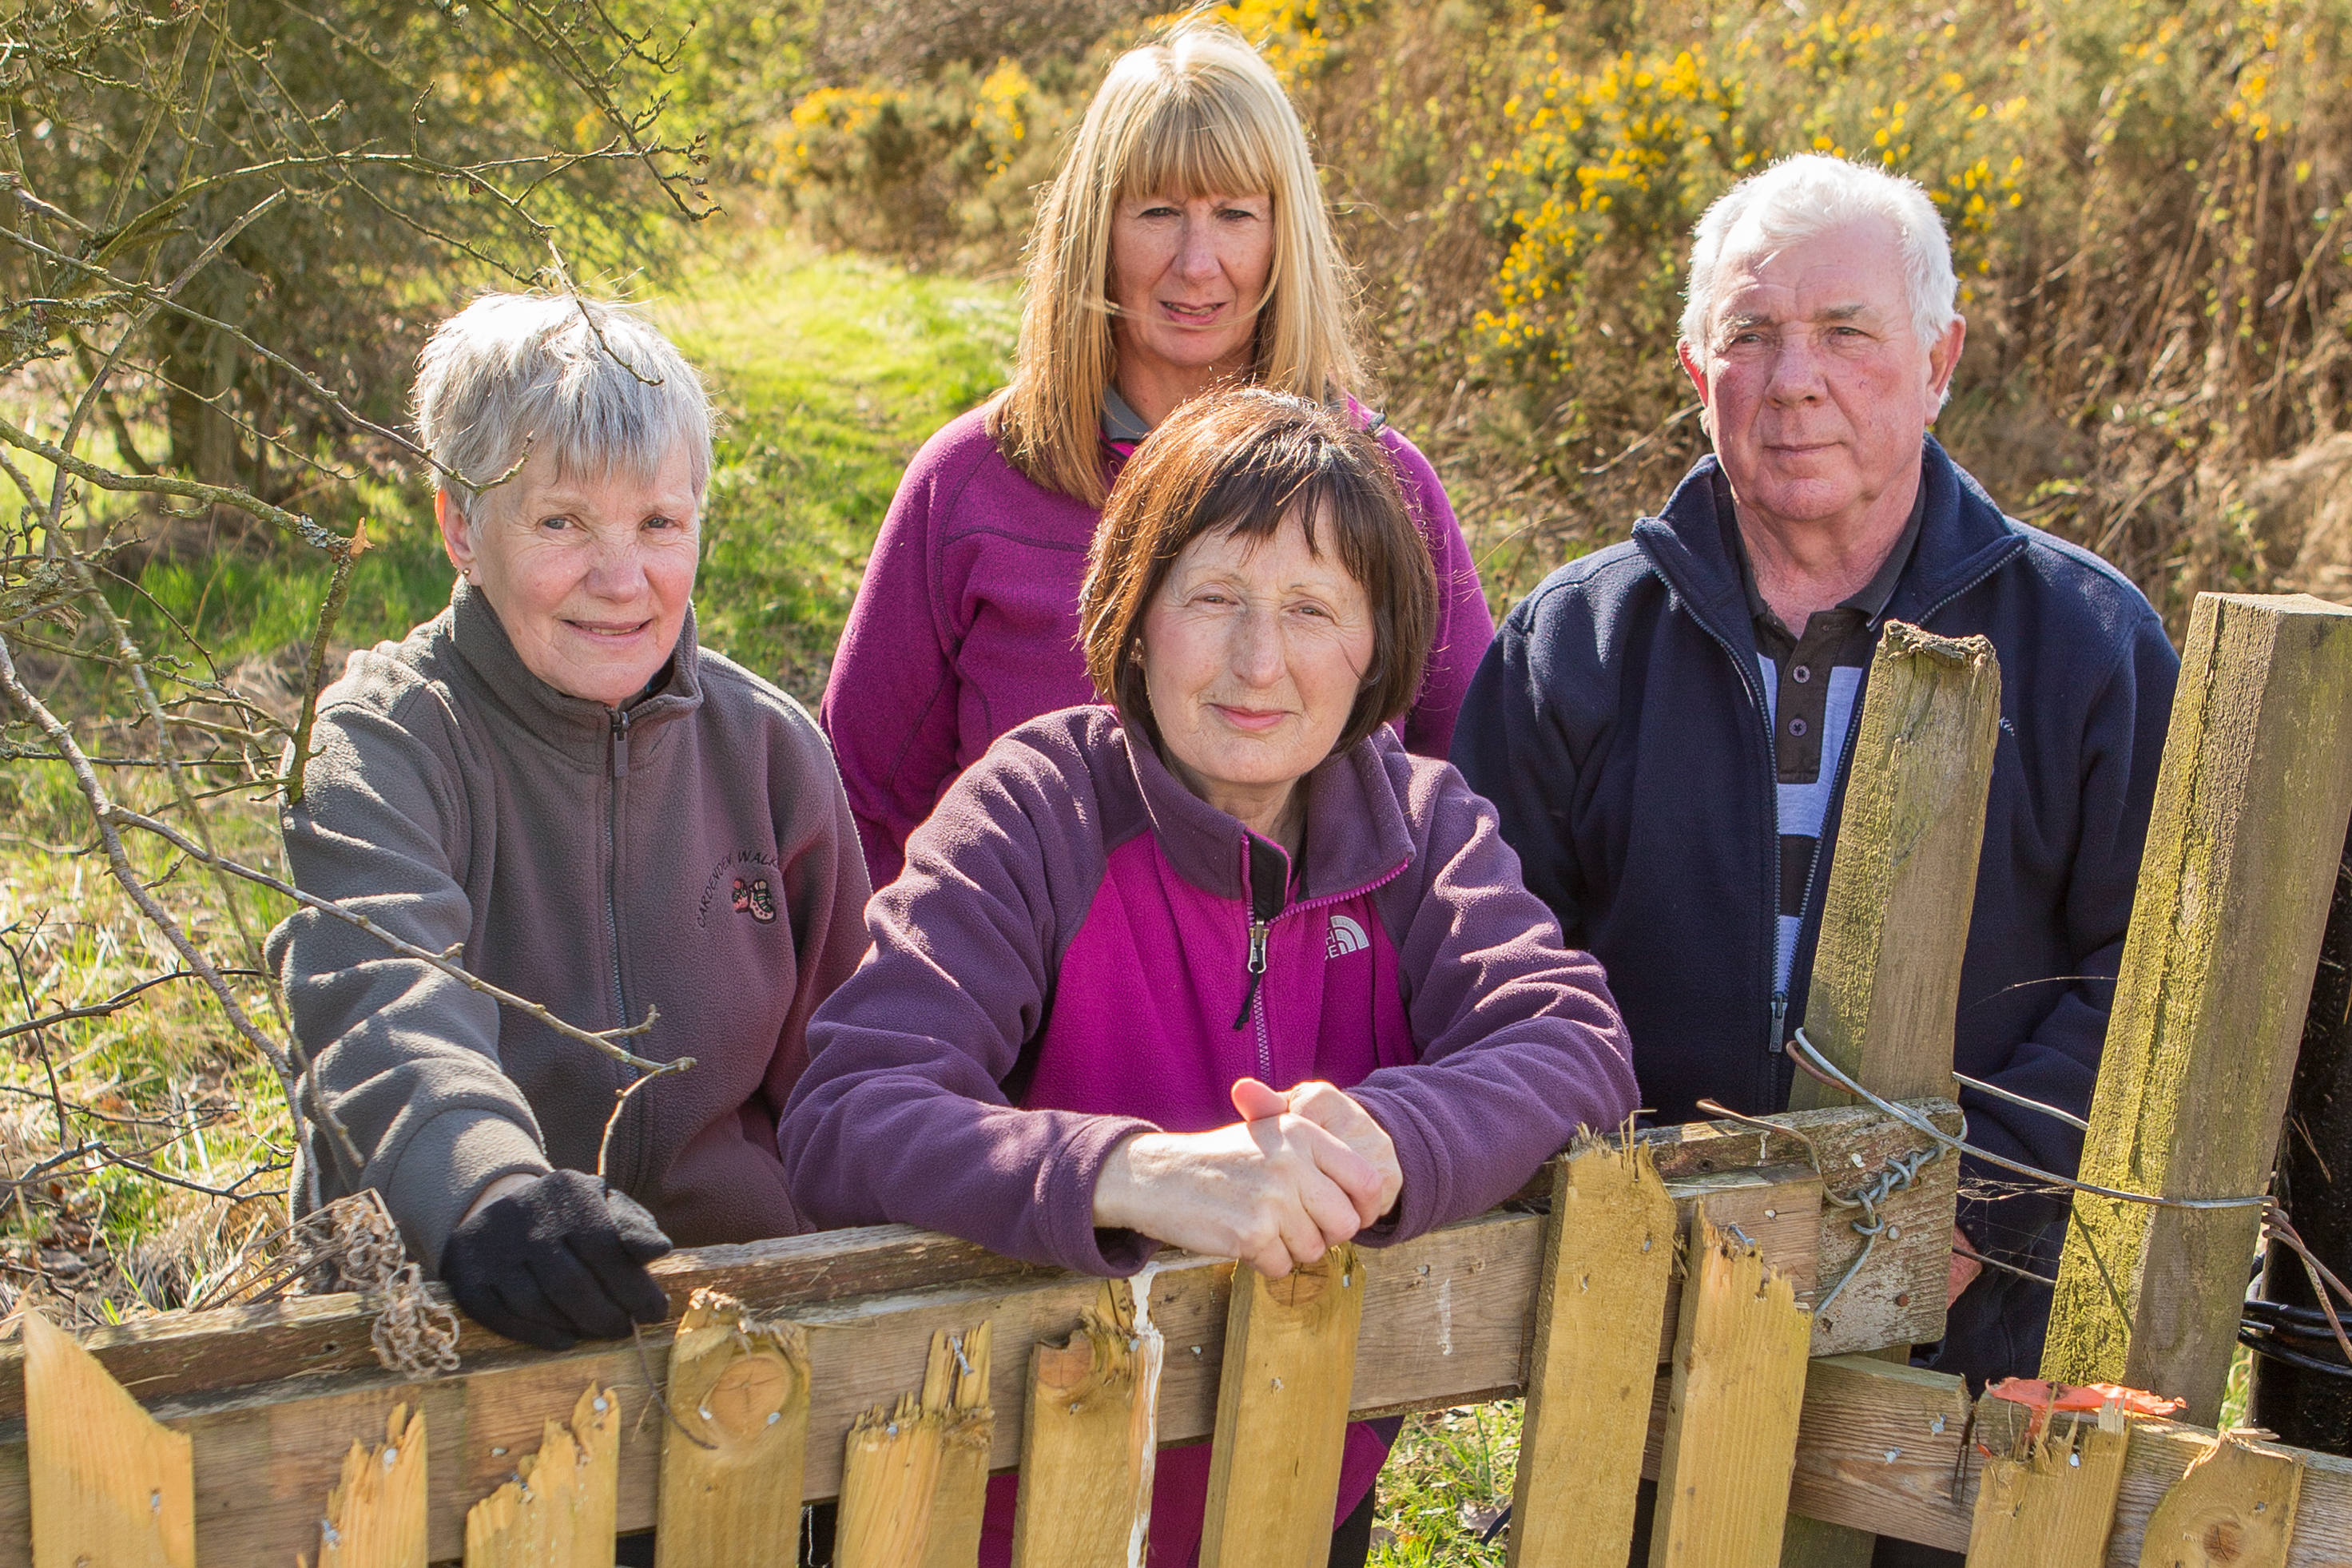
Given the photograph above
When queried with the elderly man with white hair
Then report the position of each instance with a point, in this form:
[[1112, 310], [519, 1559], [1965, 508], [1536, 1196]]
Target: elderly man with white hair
[[1666, 725], [551, 781]]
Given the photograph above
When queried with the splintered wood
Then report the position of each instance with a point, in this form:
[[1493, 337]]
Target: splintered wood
[[1090, 1441], [955, 1384], [1282, 1415], [375, 1517], [559, 1511], [2234, 1508], [914, 1481], [1731, 1417], [2054, 1507], [110, 1487], [1608, 1255], [736, 1442]]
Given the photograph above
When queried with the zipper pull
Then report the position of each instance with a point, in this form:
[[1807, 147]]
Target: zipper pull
[[620, 743], [1780, 1021], [1256, 968]]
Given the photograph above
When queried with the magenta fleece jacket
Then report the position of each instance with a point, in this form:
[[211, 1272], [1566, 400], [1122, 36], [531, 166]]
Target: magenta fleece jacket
[[1074, 922], [967, 625]]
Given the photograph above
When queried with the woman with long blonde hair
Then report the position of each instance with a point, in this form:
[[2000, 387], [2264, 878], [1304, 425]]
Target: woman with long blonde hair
[[1183, 245]]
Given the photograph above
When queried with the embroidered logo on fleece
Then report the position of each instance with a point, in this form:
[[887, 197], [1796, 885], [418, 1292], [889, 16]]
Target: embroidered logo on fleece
[[1346, 937], [754, 899], [748, 881]]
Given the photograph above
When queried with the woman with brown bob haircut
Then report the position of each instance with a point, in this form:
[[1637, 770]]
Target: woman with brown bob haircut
[[1183, 245], [1220, 966]]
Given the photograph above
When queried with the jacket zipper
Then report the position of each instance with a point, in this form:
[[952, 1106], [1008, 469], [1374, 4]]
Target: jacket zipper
[[612, 874], [1254, 997]]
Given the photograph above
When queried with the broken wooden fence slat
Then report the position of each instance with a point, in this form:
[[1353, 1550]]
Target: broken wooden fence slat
[[889, 1478], [109, 1484], [2243, 845], [1282, 1414], [1738, 1387], [1895, 921], [1447, 1317], [559, 1509], [1090, 1442], [2053, 1506], [1609, 1253], [376, 1515], [955, 1385], [735, 1442], [2234, 1508]]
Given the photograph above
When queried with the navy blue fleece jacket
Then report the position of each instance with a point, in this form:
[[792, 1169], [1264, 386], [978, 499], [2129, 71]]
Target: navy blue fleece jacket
[[1618, 724]]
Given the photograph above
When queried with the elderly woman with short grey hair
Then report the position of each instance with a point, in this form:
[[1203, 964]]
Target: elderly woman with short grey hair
[[551, 780]]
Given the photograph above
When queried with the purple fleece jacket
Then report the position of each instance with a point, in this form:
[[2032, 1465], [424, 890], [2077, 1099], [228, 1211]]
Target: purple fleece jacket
[[967, 625], [1072, 920]]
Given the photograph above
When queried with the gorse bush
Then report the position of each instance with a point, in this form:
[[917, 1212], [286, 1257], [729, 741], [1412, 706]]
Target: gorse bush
[[2146, 205]]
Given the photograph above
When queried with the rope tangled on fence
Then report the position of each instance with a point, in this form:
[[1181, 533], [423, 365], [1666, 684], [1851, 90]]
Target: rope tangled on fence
[[352, 1244], [2256, 1332]]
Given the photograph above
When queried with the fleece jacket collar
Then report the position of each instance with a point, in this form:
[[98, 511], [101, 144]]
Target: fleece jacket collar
[[1357, 833], [579, 728], [1963, 537]]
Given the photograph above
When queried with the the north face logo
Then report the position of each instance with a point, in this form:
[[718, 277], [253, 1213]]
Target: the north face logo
[[752, 898], [1346, 937]]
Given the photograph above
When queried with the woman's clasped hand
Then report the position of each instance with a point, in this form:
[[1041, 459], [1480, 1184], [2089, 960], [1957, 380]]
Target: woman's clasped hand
[[1299, 1174]]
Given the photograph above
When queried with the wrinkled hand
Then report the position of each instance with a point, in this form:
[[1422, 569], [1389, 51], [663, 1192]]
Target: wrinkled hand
[[1275, 1191], [556, 1258], [1335, 1111], [1965, 1267]]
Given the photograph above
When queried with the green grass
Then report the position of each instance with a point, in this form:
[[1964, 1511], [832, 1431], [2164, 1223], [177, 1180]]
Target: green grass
[[828, 370], [831, 370]]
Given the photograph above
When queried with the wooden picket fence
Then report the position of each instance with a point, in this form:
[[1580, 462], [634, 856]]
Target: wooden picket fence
[[1723, 1306]]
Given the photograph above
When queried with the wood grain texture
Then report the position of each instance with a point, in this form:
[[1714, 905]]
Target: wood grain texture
[[1091, 1439], [2251, 803], [955, 1386], [1885, 980], [1609, 1254], [1282, 1415], [559, 1511], [1738, 1389], [890, 1476], [376, 1515], [2054, 1505], [1895, 921], [176, 1356], [734, 1444], [110, 1487], [1448, 1317], [1880, 1448], [2233, 1508]]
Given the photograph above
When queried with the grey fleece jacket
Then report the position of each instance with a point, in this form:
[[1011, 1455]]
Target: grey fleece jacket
[[692, 854]]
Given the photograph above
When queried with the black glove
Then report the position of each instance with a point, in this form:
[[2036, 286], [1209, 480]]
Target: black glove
[[561, 1261]]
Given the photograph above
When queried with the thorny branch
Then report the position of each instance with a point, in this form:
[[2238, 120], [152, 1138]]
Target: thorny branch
[[217, 250]]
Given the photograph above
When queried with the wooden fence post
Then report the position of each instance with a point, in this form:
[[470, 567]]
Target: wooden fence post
[[1903, 880], [1731, 1419], [1894, 920], [109, 1485], [376, 1515], [1282, 1414], [1088, 1450], [559, 1511], [956, 1386], [736, 1441], [1609, 1253], [2053, 1506], [2250, 808]]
